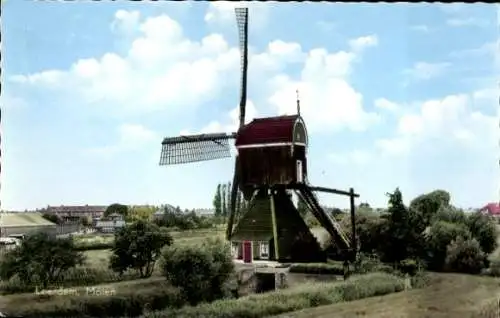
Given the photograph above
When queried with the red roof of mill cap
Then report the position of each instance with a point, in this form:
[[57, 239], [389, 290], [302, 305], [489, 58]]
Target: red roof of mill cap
[[267, 130]]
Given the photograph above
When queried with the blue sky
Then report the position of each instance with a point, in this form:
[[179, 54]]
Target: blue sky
[[392, 95]]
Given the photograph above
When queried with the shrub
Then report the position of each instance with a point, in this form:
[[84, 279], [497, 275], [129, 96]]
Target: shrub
[[465, 256], [317, 269], [366, 263], [138, 246], [79, 276], [93, 246], [301, 297], [440, 235], [494, 269], [131, 303], [483, 229], [202, 272]]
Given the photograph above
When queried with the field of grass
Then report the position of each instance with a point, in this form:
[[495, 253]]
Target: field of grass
[[447, 296]]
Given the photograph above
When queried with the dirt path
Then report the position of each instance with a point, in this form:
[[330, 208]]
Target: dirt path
[[449, 296]]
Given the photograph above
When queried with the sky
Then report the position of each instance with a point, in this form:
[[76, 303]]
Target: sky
[[393, 95]]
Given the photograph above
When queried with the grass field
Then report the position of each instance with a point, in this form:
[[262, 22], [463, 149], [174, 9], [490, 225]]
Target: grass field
[[448, 296], [100, 258]]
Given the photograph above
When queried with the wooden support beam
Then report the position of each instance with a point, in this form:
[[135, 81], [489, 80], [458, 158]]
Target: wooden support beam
[[335, 191], [275, 227], [353, 224]]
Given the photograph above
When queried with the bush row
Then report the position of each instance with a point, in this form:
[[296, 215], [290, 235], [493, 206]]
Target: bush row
[[317, 269], [128, 303], [302, 297], [159, 299], [93, 246], [74, 277]]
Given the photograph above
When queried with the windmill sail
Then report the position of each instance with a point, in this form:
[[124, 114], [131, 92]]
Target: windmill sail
[[242, 20], [193, 148]]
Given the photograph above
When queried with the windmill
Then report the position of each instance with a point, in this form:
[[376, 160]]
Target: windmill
[[270, 164]]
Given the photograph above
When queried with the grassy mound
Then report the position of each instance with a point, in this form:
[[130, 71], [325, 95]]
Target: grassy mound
[[304, 296]]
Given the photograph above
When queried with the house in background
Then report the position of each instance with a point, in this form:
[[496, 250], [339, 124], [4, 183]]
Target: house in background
[[110, 224], [491, 209], [74, 213]]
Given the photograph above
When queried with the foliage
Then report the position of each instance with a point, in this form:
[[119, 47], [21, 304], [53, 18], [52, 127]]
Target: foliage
[[129, 300], [317, 268], [439, 236], [305, 296], [399, 236], [137, 246], [40, 259], [368, 230], [426, 206], [200, 271], [450, 214], [483, 229], [465, 256], [137, 213], [52, 218], [183, 220], [217, 202], [116, 208], [77, 276]]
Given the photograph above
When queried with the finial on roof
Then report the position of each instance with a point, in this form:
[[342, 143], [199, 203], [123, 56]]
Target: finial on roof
[[298, 102]]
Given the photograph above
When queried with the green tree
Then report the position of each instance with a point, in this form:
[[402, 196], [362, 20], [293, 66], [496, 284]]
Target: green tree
[[398, 236], [465, 256], [201, 272], [484, 230], [223, 206], [40, 259], [137, 246], [427, 205], [217, 202], [439, 236], [118, 209], [136, 213]]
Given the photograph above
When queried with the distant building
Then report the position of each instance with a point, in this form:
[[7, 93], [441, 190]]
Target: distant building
[[25, 223], [491, 209], [160, 213], [204, 212], [77, 212], [109, 226]]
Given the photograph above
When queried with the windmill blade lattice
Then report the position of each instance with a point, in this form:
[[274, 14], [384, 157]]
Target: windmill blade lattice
[[242, 21], [204, 147]]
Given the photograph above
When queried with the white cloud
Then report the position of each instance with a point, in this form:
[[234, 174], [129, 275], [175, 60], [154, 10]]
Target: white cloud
[[130, 137], [164, 69], [363, 42], [126, 21], [425, 71], [228, 124], [387, 105], [223, 13], [448, 120], [487, 49]]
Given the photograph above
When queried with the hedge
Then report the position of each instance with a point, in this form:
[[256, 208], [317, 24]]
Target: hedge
[[80, 276], [301, 297], [130, 302], [317, 269]]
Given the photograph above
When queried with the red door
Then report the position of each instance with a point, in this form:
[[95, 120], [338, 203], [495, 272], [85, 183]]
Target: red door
[[247, 251]]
